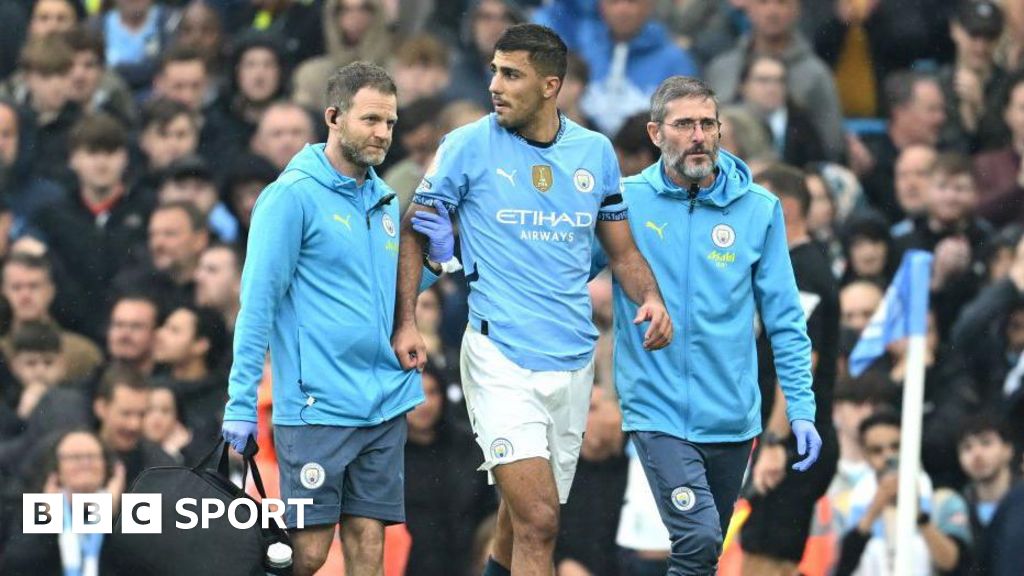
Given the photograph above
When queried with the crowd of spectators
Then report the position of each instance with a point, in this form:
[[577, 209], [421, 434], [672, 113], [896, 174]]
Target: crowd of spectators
[[136, 136]]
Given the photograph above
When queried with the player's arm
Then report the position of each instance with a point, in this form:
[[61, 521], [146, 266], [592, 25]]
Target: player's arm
[[634, 275], [271, 257], [440, 188]]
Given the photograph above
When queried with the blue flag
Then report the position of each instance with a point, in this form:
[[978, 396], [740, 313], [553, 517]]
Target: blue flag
[[902, 313]]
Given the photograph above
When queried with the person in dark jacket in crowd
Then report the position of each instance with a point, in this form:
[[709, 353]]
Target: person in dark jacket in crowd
[[444, 499]]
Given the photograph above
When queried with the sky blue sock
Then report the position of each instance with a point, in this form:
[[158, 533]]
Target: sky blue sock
[[494, 569]]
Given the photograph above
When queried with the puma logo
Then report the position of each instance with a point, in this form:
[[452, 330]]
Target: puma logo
[[511, 177], [344, 221], [659, 229]]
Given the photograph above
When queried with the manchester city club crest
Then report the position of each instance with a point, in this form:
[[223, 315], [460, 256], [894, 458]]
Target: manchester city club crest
[[683, 498], [389, 225], [312, 476], [501, 449], [583, 180], [723, 235]]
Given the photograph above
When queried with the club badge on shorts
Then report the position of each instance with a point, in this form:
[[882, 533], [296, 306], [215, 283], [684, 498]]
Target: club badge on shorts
[[723, 235], [501, 449], [683, 498], [389, 225], [312, 476]]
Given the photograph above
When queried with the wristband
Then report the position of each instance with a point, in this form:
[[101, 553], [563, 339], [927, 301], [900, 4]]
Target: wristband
[[451, 266]]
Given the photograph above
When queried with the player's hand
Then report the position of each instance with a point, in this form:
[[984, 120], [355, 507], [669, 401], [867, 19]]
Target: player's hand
[[807, 442], [438, 230], [770, 468], [237, 432], [409, 347], [659, 333]]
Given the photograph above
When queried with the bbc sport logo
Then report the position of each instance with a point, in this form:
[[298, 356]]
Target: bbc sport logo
[[143, 513]]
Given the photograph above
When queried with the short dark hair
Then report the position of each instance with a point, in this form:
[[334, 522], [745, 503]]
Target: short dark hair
[[120, 375], [98, 132], [30, 261], [984, 423], [196, 220], [953, 164], [346, 81], [84, 39], [752, 59], [881, 417], [786, 182], [209, 325], [137, 296], [234, 249], [36, 336], [576, 67], [177, 54], [160, 112], [419, 113], [676, 87], [545, 49], [900, 85], [632, 136]]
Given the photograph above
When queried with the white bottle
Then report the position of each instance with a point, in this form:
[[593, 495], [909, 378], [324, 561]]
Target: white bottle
[[279, 555]]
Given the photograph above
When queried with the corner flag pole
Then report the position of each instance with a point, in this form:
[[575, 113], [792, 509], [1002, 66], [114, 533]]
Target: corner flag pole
[[913, 400]]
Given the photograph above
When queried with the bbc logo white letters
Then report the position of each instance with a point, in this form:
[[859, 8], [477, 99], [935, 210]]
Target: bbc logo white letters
[[141, 514], [43, 514], [92, 513]]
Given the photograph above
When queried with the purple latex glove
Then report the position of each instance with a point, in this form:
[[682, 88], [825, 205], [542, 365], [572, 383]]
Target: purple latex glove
[[438, 230]]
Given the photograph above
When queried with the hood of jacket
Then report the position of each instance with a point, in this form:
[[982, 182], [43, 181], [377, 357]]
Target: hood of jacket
[[373, 47], [732, 182], [313, 162]]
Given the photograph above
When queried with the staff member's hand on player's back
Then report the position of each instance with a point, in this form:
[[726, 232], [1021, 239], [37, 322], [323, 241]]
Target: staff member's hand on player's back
[[659, 333]]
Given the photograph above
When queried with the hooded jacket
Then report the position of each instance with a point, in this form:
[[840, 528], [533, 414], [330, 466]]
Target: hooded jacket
[[310, 79], [718, 257], [319, 287]]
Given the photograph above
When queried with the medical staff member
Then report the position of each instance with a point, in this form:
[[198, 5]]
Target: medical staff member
[[717, 245], [319, 286]]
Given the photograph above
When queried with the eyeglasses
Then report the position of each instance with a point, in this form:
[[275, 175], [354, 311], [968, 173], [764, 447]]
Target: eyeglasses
[[876, 450], [687, 126]]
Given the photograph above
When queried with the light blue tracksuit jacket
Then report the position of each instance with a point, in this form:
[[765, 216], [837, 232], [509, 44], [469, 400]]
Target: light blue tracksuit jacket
[[717, 259], [319, 288]]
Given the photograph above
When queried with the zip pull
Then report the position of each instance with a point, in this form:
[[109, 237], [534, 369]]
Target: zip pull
[[694, 189]]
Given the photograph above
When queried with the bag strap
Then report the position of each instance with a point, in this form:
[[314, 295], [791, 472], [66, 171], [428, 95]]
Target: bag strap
[[249, 463]]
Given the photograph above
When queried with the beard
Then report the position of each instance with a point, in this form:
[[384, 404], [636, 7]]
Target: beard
[[694, 172], [356, 150]]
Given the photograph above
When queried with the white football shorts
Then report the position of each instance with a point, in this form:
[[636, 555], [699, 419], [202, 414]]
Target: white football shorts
[[518, 413]]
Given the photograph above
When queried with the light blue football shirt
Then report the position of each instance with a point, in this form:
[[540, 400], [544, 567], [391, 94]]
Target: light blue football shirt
[[527, 213]]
